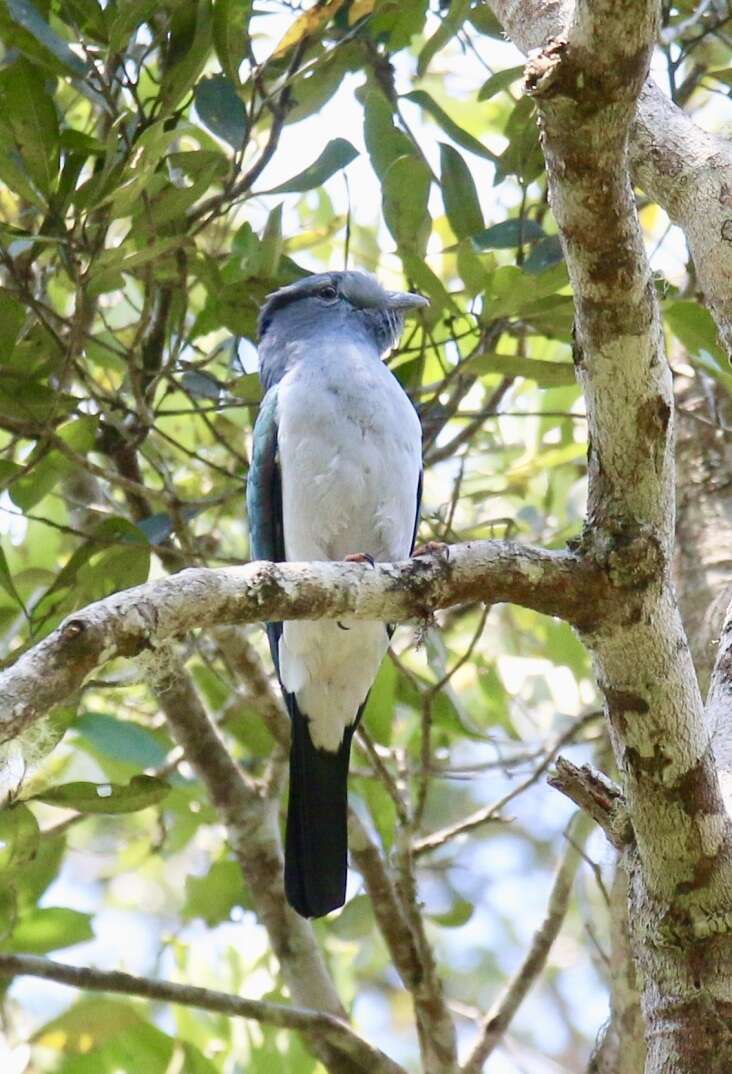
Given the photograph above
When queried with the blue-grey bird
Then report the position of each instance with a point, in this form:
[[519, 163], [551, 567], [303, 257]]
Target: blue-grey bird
[[336, 471]]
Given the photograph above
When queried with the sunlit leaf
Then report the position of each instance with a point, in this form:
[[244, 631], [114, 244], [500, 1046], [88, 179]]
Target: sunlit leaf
[[307, 25], [692, 324], [337, 154], [213, 896], [448, 125], [501, 80], [449, 25], [48, 929], [545, 374]]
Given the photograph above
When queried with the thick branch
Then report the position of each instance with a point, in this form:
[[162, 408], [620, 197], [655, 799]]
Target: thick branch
[[586, 83], [719, 707], [337, 1032], [139, 619], [597, 796], [687, 170]]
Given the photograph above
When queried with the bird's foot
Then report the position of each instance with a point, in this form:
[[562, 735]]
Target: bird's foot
[[433, 548], [360, 557]]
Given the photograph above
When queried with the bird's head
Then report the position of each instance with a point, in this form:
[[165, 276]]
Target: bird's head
[[333, 303]]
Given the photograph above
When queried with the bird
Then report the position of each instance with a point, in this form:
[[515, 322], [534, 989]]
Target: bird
[[335, 474]]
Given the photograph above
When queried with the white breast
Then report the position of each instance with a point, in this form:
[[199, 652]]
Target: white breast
[[350, 456]]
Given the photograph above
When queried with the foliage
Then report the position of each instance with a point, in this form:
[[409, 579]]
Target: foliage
[[165, 166]]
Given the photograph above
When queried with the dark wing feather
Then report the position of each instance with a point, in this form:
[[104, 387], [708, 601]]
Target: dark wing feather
[[264, 500]]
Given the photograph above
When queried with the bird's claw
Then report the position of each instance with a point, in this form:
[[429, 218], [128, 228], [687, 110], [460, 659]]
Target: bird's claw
[[433, 548], [360, 557]]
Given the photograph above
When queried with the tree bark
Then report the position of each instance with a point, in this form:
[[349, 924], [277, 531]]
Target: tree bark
[[586, 83]]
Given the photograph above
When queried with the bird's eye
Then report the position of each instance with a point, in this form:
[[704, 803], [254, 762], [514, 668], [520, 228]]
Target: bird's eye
[[328, 292]]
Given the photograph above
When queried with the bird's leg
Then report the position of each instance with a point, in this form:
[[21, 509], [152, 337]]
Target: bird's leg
[[360, 557], [432, 548]]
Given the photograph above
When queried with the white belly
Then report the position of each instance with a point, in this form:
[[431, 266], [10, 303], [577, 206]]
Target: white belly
[[350, 456]]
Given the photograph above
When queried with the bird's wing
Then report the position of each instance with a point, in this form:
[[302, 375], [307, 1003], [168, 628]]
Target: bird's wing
[[264, 499], [416, 515]]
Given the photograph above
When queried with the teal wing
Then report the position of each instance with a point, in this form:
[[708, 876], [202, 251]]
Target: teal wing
[[264, 499]]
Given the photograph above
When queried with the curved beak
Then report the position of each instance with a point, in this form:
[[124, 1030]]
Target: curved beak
[[405, 300]]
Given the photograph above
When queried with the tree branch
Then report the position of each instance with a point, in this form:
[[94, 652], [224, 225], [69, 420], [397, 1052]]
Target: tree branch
[[597, 796], [687, 170], [586, 82], [140, 619], [338, 1033]]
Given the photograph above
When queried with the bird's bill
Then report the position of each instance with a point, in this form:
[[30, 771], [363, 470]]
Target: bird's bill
[[404, 300]]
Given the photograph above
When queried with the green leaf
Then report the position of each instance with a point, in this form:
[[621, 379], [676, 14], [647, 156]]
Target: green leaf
[[522, 156], [507, 234], [19, 836], [499, 81], [189, 43], [49, 928], [29, 111], [122, 740], [13, 171], [139, 793], [693, 326], [337, 154], [231, 34], [379, 714], [195, 1062], [125, 20], [25, 14], [12, 318], [459, 914], [355, 921], [430, 284], [459, 194], [384, 141], [546, 374], [28, 400], [222, 110], [6, 579], [448, 27], [544, 255], [213, 896], [108, 267], [405, 190], [44, 474], [88, 1025], [448, 125]]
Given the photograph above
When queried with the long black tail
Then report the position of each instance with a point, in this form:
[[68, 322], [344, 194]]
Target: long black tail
[[316, 841]]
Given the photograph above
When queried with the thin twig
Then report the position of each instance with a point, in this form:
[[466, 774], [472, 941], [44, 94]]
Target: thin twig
[[498, 1019]]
